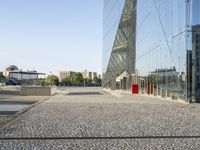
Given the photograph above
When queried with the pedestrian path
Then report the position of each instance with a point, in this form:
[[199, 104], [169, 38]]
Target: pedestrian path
[[90, 118]]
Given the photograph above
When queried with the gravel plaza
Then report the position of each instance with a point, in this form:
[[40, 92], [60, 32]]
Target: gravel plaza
[[92, 118]]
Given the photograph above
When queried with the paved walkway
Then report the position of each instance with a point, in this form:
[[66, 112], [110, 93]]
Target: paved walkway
[[89, 118]]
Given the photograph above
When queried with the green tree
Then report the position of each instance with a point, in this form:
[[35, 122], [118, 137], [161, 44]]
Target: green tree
[[77, 79], [43, 82], [97, 80], [52, 80], [2, 76], [88, 80], [73, 80], [67, 81]]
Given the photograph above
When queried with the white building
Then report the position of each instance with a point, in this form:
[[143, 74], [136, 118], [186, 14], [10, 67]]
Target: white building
[[86, 74], [64, 74], [94, 74], [12, 72]]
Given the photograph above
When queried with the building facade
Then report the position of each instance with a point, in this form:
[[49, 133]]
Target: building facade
[[64, 74], [88, 74], [12, 72], [154, 44], [99, 76], [94, 74], [85, 74]]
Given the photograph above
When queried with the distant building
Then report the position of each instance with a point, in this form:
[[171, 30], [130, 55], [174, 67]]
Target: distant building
[[86, 74], [94, 74], [12, 72], [165, 72], [99, 76], [9, 69], [64, 74]]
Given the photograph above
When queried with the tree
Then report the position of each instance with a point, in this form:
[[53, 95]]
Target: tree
[[43, 82], [73, 80], [67, 81], [97, 80], [2, 76], [52, 80], [88, 80], [77, 79]]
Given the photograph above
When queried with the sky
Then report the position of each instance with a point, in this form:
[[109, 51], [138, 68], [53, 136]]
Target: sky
[[51, 35]]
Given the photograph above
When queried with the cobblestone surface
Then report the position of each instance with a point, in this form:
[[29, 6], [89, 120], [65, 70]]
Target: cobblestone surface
[[5, 119], [86, 113]]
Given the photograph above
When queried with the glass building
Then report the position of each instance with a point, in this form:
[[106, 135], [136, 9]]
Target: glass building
[[154, 44]]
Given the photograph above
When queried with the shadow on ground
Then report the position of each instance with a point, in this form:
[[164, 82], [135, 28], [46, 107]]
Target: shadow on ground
[[84, 93]]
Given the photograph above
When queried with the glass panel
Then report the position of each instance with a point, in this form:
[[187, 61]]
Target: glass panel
[[165, 48], [111, 18], [161, 47]]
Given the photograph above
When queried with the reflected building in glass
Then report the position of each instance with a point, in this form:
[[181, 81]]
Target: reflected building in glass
[[154, 44]]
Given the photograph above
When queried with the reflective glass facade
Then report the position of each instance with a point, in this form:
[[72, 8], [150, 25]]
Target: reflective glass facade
[[111, 17], [118, 39], [164, 41]]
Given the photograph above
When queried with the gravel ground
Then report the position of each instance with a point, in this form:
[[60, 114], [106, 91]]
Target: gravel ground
[[91, 112], [5, 119]]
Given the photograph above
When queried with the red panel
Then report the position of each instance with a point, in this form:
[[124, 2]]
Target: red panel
[[135, 89]]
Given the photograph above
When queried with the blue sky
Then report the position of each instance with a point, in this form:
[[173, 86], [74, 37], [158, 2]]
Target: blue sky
[[51, 35]]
